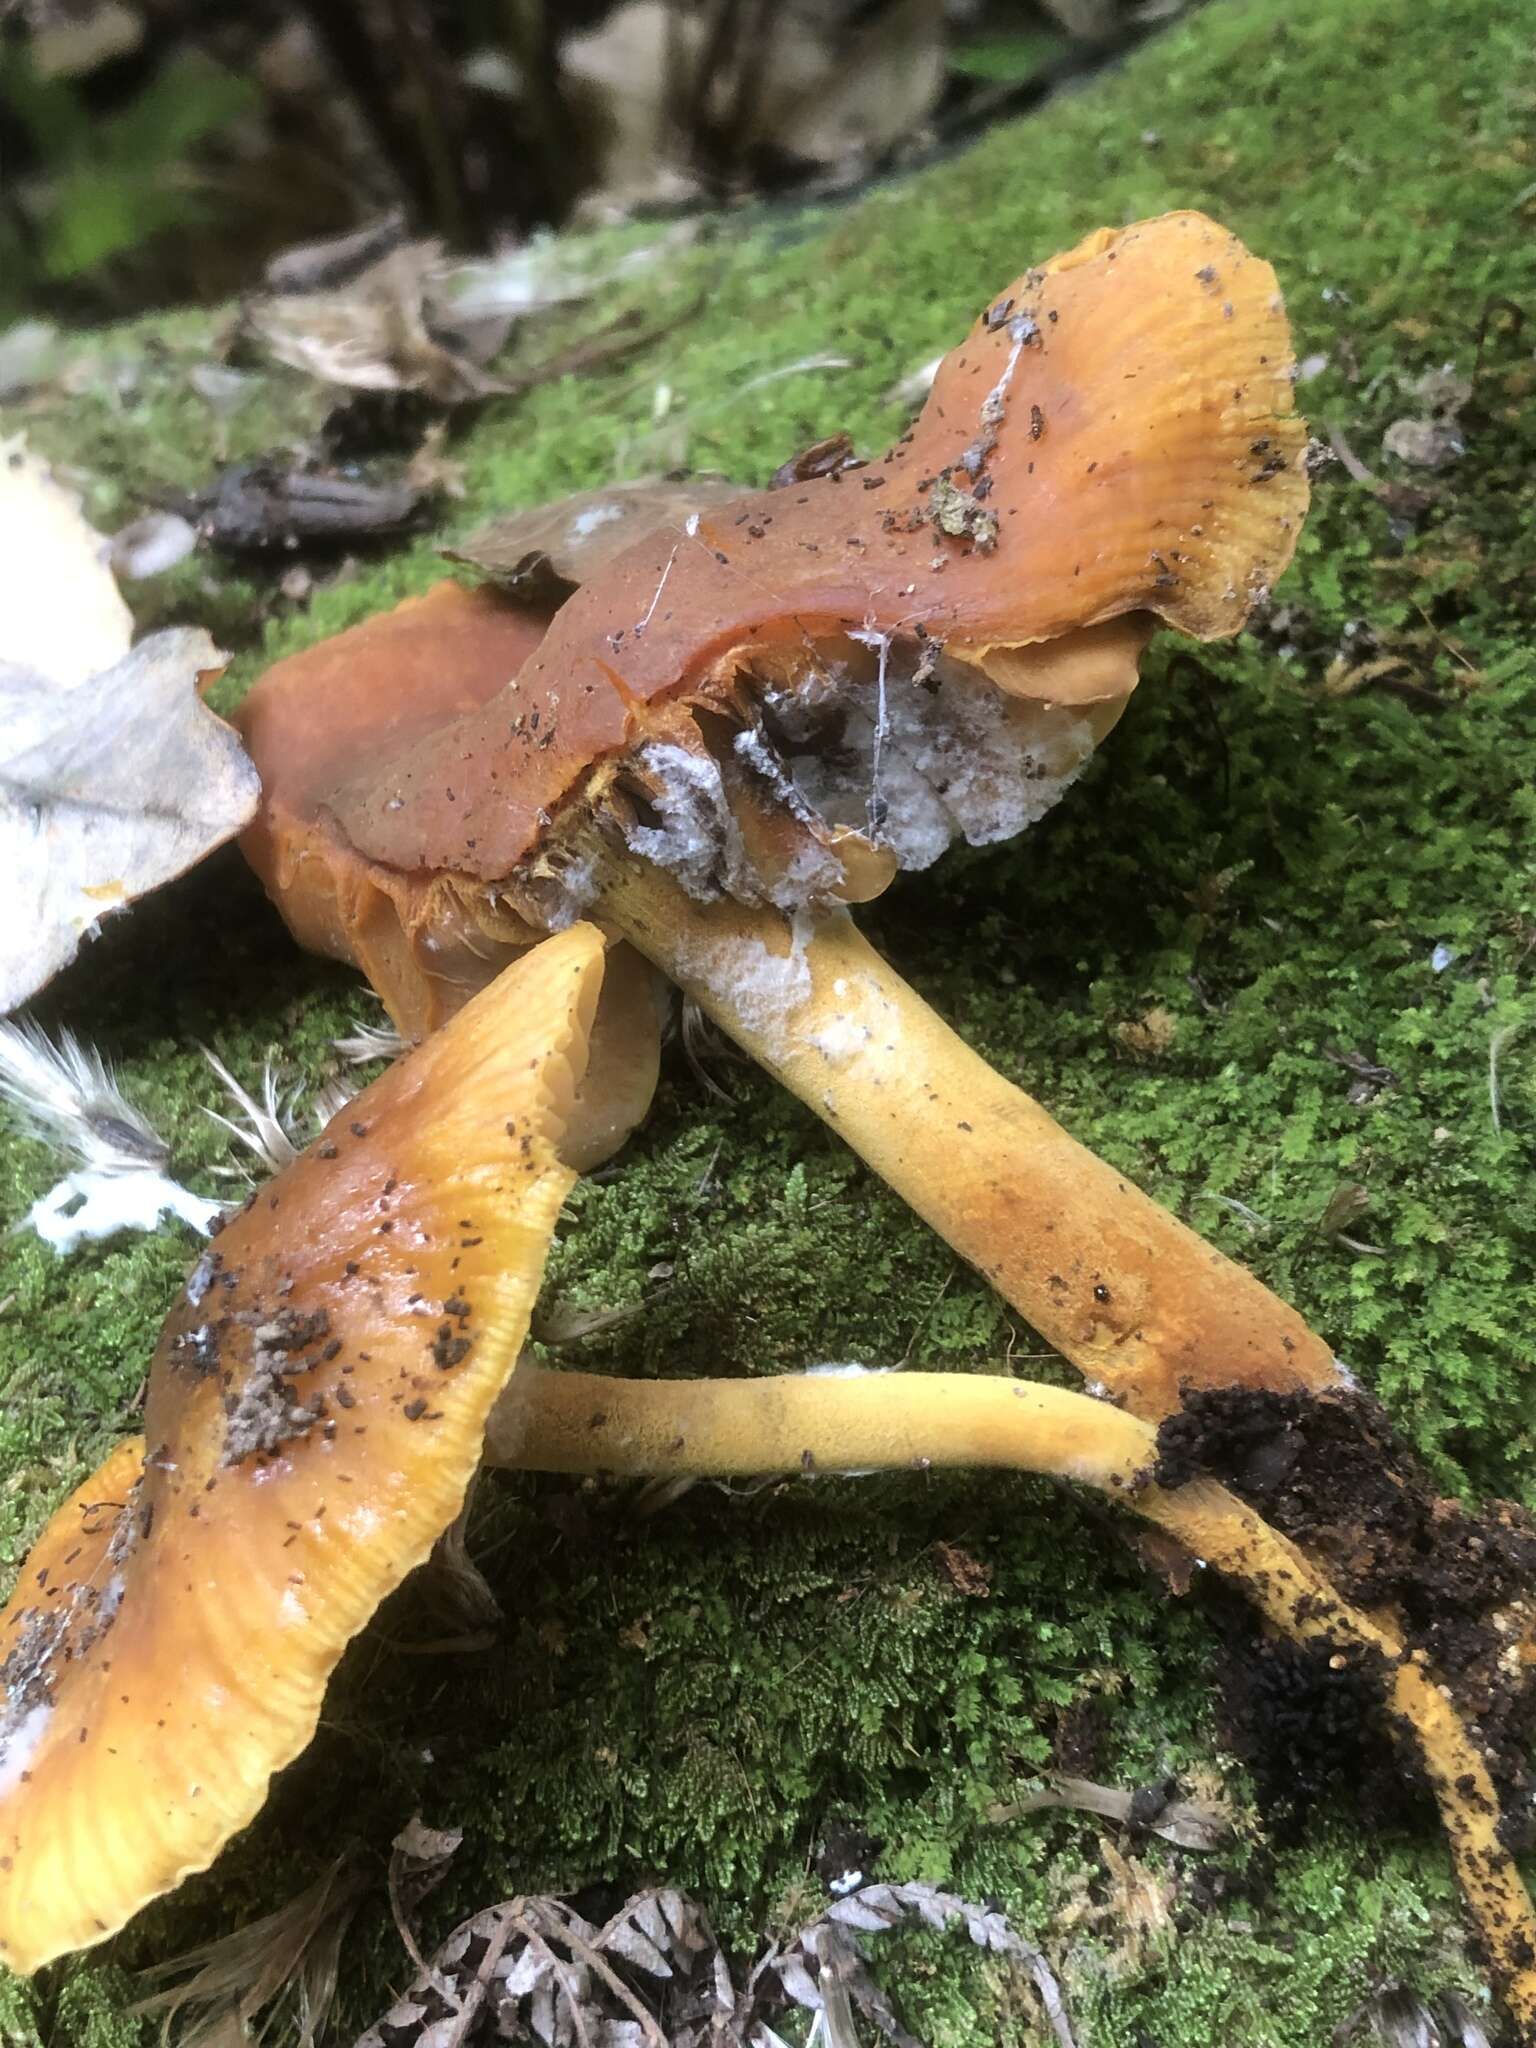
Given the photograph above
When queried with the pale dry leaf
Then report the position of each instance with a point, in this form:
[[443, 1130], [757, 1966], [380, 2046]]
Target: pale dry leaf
[[61, 614], [533, 1968], [798, 91], [68, 42], [419, 1859], [545, 551], [29, 355], [108, 790], [371, 333], [1432, 439], [1425, 444], [549, 270], [1089, 21], [414, 319], [877, 1907], [621, 81]]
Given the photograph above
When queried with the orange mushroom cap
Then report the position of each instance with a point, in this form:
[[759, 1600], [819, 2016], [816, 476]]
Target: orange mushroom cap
[[311, 721], [315, 1411], [1114, 441]]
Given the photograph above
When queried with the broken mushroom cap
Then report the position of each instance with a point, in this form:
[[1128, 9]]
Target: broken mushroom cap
[[308, 724], [315, 1412], [1113, 443], [426, 941]]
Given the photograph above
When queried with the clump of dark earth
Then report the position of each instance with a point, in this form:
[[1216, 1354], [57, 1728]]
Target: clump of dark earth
[[1310, 1724], [1331, 1473]]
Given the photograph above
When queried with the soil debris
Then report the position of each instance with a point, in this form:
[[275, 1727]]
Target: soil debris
[[1332, 1474]]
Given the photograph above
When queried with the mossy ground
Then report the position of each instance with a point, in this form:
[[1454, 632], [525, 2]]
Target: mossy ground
[[690, 1696]]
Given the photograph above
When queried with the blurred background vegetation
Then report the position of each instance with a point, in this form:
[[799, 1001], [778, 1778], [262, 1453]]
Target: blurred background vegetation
[[163, 151]]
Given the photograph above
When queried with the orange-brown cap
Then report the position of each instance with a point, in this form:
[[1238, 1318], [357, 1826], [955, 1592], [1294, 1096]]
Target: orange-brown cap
[[316, 1409], [314, 717], [1115, 441]]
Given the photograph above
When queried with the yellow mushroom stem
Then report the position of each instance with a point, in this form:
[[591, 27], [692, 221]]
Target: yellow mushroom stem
[[1133, 1297], [820, 1422]]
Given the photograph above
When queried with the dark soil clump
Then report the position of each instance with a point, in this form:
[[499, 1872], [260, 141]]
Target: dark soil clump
[[1310, 1723], [1331, 1473]]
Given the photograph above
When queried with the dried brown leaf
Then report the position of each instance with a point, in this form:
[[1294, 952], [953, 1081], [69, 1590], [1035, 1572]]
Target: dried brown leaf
[[966, 1574], [411, 318], [371, 333], [292, 1956]]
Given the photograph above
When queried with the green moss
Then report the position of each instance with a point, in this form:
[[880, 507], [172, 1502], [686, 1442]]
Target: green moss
[[691, 1695]]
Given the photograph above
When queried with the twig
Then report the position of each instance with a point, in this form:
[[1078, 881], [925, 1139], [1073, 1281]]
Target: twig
[[463, 2019], [1188, 1824], [562, 1970], [594, 1961]]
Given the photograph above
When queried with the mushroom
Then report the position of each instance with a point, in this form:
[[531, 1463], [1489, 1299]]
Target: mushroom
[[70, 1895], [760, 712], [324, 1387], [426, 941], [805, 1422], [315, 1413]]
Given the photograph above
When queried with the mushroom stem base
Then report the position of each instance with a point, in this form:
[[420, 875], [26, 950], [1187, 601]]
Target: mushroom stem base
[[1137, 1300], [815, 1422]]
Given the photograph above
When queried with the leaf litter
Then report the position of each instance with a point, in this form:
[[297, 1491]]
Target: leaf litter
[[395, 315], [114, 776], [288, 1961], [61, 612], [655, 1976], [108, 790]]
